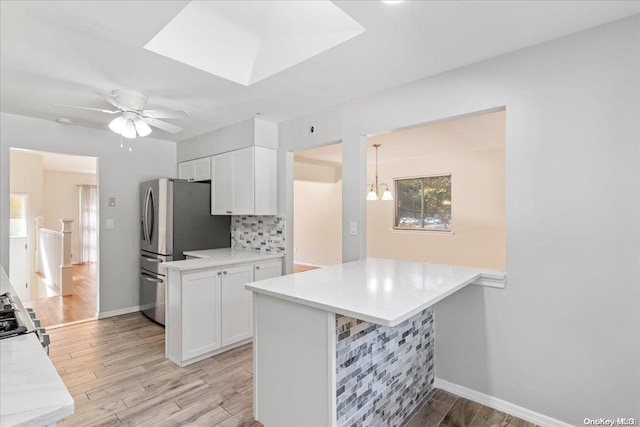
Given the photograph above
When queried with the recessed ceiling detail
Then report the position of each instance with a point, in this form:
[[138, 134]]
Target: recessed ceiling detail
[[248, 41]]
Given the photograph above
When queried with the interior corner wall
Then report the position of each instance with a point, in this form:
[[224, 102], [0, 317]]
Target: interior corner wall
[[477, 212], [317, 221], [119, 174], [61, 200], [568, 322]]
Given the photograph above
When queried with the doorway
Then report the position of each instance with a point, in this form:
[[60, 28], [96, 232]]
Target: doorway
[[317, 207], [19, 259], [54, 234]]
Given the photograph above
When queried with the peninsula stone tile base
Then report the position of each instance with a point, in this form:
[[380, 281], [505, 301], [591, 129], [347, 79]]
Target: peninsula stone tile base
[[382, 373]]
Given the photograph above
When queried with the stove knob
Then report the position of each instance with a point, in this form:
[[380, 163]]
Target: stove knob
[[32, 314], [45, 341], [41, 331], [36, 322]]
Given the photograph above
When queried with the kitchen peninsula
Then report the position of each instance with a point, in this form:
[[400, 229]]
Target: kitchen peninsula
[[350, 344], [208, 309]]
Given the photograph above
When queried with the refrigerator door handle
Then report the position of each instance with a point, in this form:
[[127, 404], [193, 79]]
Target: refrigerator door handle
[[151, 224], [151, 279], [145, 215], [152, 259]]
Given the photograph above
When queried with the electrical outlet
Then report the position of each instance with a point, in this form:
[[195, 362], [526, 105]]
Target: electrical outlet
[[110, 224], [112, 202], [353, 228]]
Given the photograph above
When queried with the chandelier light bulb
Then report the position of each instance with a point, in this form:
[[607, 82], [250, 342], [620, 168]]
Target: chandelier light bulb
[[387, 195]]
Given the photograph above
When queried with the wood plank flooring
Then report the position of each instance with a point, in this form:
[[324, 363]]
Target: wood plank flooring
[[81, 305], [299, 268], [117, 374]]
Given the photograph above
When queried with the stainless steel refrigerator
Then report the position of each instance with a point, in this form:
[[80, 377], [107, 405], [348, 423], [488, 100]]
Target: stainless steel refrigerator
[[175, 216]]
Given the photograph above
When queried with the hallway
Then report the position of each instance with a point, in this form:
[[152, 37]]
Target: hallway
[[81, 305]]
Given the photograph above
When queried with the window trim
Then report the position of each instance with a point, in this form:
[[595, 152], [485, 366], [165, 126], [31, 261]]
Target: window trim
[[450, 231]]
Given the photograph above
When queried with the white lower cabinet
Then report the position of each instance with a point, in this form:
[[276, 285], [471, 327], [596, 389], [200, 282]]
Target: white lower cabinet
[[200, 315], [209, 311], [267, 270], [237, 311]]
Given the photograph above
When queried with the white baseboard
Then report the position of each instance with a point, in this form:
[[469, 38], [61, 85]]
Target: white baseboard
[[105, 314], [499, 404]]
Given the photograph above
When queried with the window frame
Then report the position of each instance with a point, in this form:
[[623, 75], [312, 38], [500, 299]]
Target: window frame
[[421, 229]]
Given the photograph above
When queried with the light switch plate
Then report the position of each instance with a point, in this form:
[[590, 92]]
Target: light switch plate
[[353, 228], [109, 224], [112, 202]]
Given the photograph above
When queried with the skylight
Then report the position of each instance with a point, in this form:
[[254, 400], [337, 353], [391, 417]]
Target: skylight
[[248, 41]]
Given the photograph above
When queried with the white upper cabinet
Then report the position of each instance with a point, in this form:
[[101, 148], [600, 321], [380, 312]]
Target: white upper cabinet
[[195, 170], [244, 182]]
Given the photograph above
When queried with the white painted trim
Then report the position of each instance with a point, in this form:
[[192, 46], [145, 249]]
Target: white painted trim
[[120, 312], [308, 264], [490, 282], [499, 404]]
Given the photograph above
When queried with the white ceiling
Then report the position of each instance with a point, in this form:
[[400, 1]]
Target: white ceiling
[[479, 132], [57, 52], [64, 162]]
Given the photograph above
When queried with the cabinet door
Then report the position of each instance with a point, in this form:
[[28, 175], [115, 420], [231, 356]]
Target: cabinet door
[[202, 169], [186, 170], [237, 305], [243, 181], [267, 270], [200, 313], [265, 181], [222, 184]]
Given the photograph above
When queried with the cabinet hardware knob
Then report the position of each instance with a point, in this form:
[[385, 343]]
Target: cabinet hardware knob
[[257, 267], [219, 273], [224, 272]]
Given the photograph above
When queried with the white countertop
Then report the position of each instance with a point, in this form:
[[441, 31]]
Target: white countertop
[[382, 291], [218, 257], [31, 391]]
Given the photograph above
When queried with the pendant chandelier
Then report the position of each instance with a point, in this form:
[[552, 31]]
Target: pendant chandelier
[[374, 189]]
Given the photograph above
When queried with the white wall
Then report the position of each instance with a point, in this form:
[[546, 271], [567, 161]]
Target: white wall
[[317, 229], [119, 173], [26, 177], [563, 338], [477, 211], [61, 201]]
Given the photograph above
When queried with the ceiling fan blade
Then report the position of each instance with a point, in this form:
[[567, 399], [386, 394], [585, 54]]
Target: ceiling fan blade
[[165, 114], [111, 99], [167, 127], [87, 108]]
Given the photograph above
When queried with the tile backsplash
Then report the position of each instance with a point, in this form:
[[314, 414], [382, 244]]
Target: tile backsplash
[[264, 233], [382, 373]]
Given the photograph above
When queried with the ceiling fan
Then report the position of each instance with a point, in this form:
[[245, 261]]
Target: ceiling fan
[[132, 120]]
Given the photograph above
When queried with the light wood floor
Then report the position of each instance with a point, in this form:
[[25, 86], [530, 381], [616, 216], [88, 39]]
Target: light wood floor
[[299, 268], [117, 374], [79, 306]]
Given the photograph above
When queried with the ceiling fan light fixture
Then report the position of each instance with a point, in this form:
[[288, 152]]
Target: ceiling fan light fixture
[[142, 128], [118, 125], [129, 130]]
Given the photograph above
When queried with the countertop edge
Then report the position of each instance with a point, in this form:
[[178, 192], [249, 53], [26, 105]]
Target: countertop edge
[[363, 316], [207, 262]]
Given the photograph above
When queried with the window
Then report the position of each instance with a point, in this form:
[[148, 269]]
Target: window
[[423, 203]]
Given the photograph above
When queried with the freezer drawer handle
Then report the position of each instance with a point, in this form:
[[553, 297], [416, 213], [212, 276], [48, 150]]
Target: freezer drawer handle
[[152, 259], [151, 279]]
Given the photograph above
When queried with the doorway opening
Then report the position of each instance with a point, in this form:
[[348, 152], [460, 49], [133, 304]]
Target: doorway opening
[[317, 207], [54, 234], [448, 186]]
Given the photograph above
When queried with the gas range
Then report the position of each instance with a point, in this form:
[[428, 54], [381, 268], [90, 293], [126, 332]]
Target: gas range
[[16, 320]]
